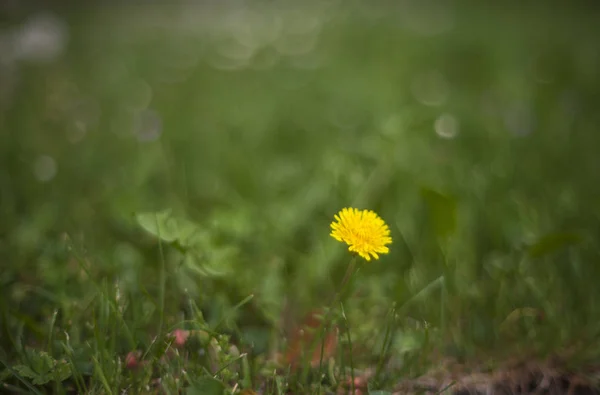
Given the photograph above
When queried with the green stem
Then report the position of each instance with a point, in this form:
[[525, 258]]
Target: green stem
[[347, 276]]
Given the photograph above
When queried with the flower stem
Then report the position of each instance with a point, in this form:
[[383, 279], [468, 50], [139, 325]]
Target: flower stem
[[347, 276]]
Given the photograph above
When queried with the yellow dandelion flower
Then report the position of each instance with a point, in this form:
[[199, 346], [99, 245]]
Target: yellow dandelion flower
[[364, 232]]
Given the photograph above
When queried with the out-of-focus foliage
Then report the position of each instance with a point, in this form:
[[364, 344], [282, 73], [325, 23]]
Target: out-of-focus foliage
[[217, 142]]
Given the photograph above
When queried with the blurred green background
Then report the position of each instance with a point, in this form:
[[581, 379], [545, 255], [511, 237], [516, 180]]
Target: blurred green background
[[471, 129]]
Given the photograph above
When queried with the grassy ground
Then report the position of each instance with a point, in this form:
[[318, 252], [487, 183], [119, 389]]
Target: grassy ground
[[169, 176]]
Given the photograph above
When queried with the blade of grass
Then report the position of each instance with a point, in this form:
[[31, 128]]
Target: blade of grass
[[247, 379], [228, 364], [322, 352], [347, 327], [386, 342], [51, 332], [235, 308], [443, 301], [161, 281], [77, 376], [331, 373], [446, 388], [100, 373], [161, 290], [438, 282]]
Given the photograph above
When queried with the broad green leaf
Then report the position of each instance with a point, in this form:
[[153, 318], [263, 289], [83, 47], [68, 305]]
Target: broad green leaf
[[40, 361], [167, 227], [553, 242], [27, 372], [62, 371], [206, 386], [202, 256], [442, 212], [43, 368], [213, 264]]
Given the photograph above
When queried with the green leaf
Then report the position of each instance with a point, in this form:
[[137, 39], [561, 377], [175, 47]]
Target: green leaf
[[206, 386], [553, 242], [442, 212], [26, 372], [62, 371], [43, 368], [167, 227], [202, 255], [206, 265]]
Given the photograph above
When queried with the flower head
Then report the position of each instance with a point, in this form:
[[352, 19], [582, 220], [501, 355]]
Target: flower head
[[363, 230]]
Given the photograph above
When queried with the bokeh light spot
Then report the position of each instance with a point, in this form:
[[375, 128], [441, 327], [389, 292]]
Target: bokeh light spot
[[45, 168]]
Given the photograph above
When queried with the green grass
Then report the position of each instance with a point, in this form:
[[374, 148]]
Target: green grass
[[177, 168]]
